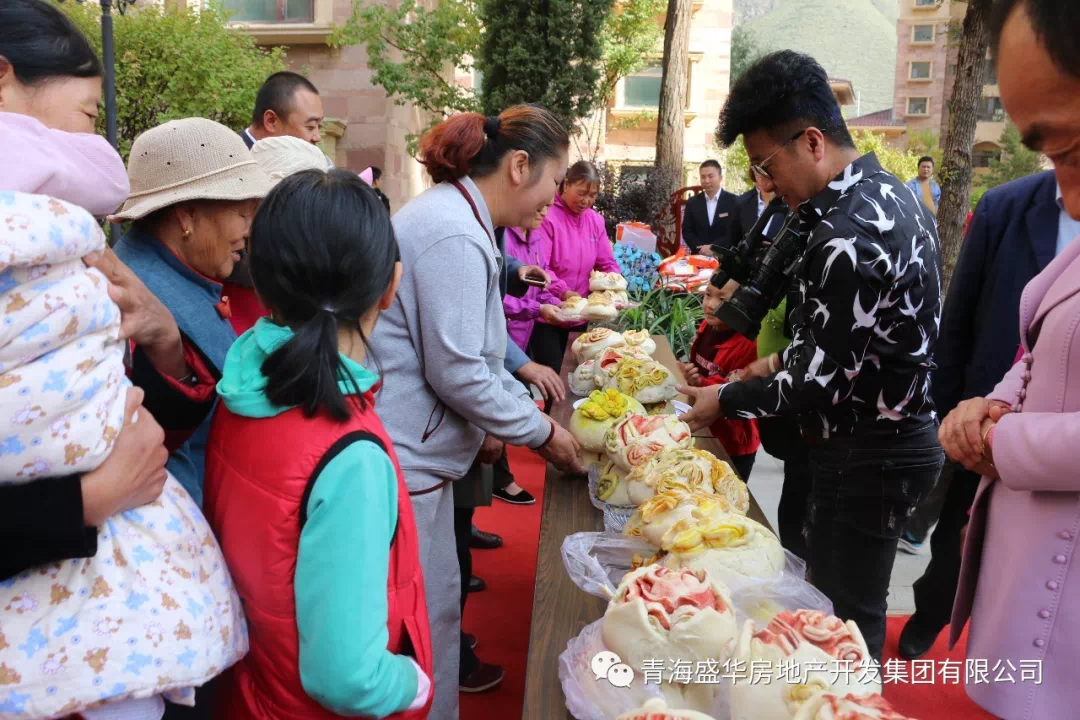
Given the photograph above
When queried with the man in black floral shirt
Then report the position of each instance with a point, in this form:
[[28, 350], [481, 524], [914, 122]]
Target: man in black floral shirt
[[857, 373]]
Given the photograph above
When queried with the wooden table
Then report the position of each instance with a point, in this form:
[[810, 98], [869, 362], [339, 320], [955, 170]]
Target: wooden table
[[560, 609]]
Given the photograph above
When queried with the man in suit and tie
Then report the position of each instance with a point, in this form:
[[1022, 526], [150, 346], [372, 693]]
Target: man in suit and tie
[[287, 104], [1017, 229], [707, 218]]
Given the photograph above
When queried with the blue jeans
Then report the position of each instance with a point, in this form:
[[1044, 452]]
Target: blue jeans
[[863, 492]]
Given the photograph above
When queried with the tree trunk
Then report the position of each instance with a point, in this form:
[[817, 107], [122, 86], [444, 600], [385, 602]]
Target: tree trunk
[[670, 124], [955, 176]]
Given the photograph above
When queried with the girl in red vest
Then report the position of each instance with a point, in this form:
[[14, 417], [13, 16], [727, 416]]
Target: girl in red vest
[[302, 485]]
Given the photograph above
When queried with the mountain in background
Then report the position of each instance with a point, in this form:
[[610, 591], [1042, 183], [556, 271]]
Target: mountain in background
[[853, 39]]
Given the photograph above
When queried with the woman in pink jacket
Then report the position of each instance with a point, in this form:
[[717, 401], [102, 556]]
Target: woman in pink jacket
[[1017, 584], [579, 244]]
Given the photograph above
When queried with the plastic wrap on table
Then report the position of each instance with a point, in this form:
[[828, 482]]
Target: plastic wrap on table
[[590, 698], [596, 562], [615, 516], [683, 272]]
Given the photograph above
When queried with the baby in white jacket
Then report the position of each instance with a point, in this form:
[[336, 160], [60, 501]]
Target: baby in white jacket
[[154, 612]]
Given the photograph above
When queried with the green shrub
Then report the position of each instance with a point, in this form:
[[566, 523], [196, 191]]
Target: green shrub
[[673, 315], [172, 65]]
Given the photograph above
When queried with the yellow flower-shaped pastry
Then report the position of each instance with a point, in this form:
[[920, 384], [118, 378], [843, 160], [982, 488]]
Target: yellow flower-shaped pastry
[[684, 470], [644, 379], [724, 545], [590, 422], [655, 517]]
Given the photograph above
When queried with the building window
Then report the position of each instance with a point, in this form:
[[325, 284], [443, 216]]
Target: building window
[[982, 158], [642, 89], [922, 33], [918, 106], [477, 82], [271, 11], [991, 110], [920, 70], [926, 3], [990, 74]]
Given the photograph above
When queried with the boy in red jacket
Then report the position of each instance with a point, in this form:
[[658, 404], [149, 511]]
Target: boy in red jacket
[[716, 353]]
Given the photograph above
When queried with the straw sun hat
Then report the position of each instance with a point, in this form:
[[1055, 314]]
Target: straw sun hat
[[282, 156], [190, 159]]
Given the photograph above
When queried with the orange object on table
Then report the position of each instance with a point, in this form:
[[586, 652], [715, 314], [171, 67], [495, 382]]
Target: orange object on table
[[686, 273]]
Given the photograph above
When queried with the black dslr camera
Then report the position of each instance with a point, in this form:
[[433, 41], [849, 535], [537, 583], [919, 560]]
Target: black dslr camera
[[763, 269]]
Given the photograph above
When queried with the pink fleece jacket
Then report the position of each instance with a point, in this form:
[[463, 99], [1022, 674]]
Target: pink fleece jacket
[[579, 245], [78, 168], [521, 313]]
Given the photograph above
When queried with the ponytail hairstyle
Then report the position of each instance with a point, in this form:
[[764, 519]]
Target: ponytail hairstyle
[[322, 254], [41, 43], [471, 144], [581, 171]]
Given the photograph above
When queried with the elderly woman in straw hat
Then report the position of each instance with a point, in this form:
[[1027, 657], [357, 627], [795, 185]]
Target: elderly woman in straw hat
[[194, 191], [279, 157]]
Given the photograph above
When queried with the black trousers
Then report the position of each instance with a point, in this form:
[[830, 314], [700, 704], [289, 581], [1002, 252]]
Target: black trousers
[[863, 492], [462, 531], [782, 439], [935, 590], [743, 464], [547, 346], [929, 510]]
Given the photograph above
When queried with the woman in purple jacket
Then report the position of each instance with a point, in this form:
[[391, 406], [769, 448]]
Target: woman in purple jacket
[[579, 244]]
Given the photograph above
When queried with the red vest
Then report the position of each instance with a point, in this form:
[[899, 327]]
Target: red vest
[[257, 476]]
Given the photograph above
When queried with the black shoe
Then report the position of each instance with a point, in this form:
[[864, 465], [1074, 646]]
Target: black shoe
[[483, 678], [476, 585], [522, 498], [469, 639], [918, 637], [480, 540]]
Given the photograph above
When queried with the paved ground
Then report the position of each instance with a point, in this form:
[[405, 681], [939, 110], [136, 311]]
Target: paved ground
[[766, 481]]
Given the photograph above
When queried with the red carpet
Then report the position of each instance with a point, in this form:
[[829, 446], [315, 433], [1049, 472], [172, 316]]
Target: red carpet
[[499, 617]]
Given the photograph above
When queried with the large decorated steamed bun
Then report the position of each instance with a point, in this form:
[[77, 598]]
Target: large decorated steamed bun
[[600, 281], [725, 545], [655, 517], [830, 706], [582, 380], [635, 438], [659, 613], [645, 380], [599, 308], [641, 339], [687, 469], [573, 309], [618, 298], [590, 344], [831, 656], [590, 422], [657, 709], [606, 361]]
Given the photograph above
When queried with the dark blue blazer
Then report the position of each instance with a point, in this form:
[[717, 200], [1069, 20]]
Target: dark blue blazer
[[1012, 238]]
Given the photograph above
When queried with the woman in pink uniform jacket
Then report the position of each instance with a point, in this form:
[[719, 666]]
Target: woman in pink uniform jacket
[[1015, 581], [579, 244]]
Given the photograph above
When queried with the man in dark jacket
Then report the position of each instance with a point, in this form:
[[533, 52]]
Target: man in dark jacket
[[750, 206], [286, 104], [707, 216], [1017, 229]]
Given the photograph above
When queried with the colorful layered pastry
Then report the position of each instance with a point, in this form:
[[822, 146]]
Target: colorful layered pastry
[[660, 408], [658, 612], [724, 545], [590, 422], [590, 344], [635, 438], [685, 470], [573, 309], [618, 298], [831, 656], [830, 706], [600, 281], [643, 379], [655, 517], [605, 362], [641, 339], [611, 487]]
